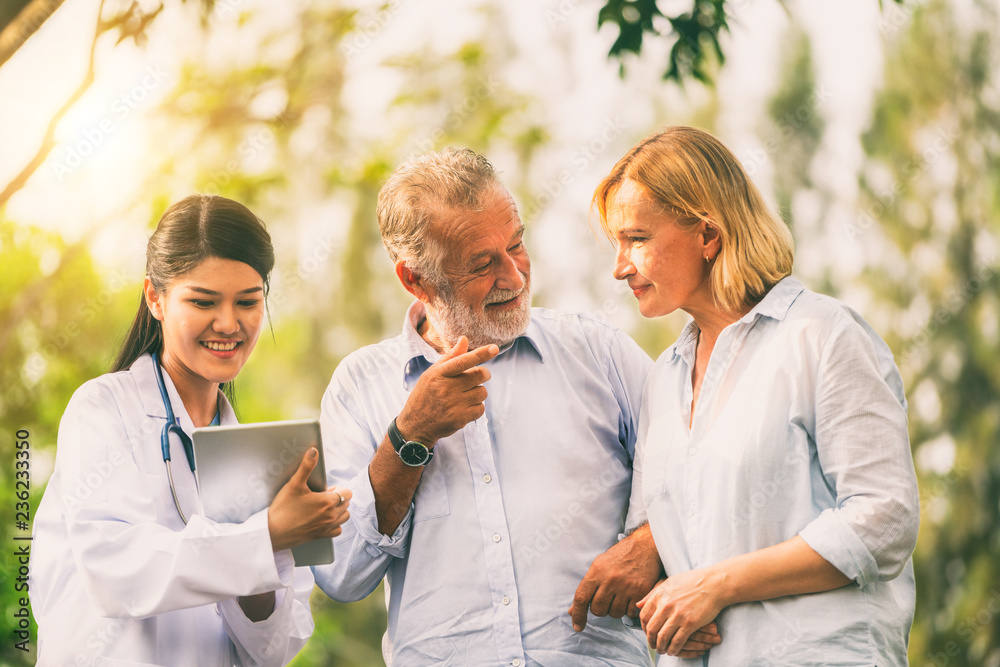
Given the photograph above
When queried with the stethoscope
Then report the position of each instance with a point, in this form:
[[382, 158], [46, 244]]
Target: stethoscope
[[172, 427]]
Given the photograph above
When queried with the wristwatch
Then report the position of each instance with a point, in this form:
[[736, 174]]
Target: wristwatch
[[411, 452]]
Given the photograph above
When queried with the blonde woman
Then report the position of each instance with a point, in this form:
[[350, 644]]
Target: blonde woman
[[772, 457]]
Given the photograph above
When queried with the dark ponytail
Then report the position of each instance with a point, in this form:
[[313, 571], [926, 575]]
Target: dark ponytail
[[191, 231]]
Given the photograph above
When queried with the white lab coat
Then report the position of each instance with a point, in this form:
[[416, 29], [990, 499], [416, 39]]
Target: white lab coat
[[117, 579]]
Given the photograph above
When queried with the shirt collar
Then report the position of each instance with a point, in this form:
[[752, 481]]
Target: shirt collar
[[777, 301], [149, 394], [775, 305], [419, 355]]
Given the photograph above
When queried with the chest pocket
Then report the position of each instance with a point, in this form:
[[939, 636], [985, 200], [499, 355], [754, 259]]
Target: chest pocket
[[431, 498]]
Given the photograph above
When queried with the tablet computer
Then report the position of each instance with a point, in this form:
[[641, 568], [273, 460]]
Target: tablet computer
[[241, 467]]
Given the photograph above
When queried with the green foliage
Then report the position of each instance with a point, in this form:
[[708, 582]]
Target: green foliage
[[929, 191], [696, 34], [59, 318], [345, 635], [795, 125]]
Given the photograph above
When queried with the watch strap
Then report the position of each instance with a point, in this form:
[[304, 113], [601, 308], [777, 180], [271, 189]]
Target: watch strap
[[395, 437], [399, 442]]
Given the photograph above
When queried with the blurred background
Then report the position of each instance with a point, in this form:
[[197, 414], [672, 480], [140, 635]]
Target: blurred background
[[874, 128]]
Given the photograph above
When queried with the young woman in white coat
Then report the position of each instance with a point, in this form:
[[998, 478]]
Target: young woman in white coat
[[125, 568]]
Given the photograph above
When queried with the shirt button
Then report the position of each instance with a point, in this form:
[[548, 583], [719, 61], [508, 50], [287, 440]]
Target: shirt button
[[496, 537], [506, 600], [487, 478], [516, 662]]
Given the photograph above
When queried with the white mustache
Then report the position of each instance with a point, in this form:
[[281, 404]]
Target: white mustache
[[501, 295]]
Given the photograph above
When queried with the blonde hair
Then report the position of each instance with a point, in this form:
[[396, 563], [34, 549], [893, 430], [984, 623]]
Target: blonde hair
[[697, 179], [419, 189]]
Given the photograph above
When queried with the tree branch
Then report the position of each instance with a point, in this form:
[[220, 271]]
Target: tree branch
[[49, 140], [25, 24]]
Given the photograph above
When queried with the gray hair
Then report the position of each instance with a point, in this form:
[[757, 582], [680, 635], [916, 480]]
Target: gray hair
[[454, 178]]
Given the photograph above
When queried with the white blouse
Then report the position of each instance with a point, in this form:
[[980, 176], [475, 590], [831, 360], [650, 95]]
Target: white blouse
[[799, 429]]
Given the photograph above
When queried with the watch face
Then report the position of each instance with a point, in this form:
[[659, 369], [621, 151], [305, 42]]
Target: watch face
[[414, 454]]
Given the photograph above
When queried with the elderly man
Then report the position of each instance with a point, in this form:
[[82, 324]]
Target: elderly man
[[488, 447]]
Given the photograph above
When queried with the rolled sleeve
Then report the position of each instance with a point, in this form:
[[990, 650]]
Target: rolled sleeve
[[365, 521], [864, 453], [363, 553], [835, 540]]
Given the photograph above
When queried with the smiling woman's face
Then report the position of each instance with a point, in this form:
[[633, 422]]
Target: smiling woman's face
[[663, 264], [211, 318]]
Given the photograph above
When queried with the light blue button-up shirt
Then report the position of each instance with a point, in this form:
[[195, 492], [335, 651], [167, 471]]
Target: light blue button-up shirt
[[513, 508], [799, 429]]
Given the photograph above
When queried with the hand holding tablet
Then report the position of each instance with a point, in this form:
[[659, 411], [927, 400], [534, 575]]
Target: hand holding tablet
[[298, 514], [245, 468]]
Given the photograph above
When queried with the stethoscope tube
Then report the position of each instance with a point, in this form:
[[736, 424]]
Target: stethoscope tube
[[172, 426]]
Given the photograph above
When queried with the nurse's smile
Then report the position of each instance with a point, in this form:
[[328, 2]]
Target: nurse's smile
[[211, 317], [221, 349]]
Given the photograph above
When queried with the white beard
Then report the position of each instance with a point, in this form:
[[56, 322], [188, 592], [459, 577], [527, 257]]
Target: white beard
[[452, 319]]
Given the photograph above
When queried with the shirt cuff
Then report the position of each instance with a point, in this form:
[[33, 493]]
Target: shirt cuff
[[834, 539], [248, 631], [285, 564], [271, 566], [634, 519], [365, 520]]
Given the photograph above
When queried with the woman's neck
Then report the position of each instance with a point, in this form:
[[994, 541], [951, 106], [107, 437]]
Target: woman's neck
[[200, 396], [712, 321]]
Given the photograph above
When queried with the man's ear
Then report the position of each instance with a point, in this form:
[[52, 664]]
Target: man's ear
[[711, 240], [153, 300], [411, 281]]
